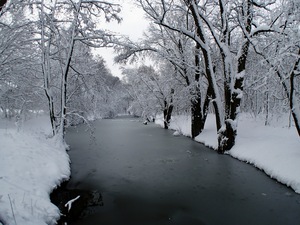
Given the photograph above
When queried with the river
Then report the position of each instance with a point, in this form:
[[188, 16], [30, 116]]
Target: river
[[147, 176]]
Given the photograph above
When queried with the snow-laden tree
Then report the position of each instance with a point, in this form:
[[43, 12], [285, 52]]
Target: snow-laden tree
[[179, 52], [152, 92], [280, 54], [44, 47], [93, 92], [61, 25], [222, 32], [20, 87]]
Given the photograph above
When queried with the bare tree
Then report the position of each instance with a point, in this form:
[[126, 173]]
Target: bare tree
[[281, 53], [58, 37], [224, 30], [163, 44], [152, 92]]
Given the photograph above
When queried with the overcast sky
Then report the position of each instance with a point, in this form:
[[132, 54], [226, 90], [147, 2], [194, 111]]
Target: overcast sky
[[133, 25]]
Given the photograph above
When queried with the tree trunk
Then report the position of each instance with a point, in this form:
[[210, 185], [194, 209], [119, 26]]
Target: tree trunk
[[208, 64], [64, 89], [64, 79], [168, 111], [46, 67], [199, 115], [166, 122], [196, 114], [196, 109], [267, 107], [51, 111], [167, 116], [294, 104], [227, 134]]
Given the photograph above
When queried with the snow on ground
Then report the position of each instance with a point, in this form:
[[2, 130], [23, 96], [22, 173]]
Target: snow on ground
[[274, 149], [31, 166]]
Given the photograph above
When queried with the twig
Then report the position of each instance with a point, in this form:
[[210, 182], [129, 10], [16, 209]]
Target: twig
[[69, 203], [12, 209]]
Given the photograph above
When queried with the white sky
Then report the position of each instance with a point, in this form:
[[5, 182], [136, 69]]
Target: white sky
[[133, 25]]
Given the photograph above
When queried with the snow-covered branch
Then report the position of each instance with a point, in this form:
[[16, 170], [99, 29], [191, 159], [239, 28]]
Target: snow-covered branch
[[69, 203]]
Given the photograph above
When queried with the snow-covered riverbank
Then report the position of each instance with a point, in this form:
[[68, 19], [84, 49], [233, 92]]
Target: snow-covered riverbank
[[31, 166], [275, 149]]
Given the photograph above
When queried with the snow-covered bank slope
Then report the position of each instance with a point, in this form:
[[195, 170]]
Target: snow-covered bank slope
[[273, 149], [31, 165]]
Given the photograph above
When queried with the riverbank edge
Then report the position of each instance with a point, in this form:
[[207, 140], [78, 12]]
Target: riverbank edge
[[73, 203], [290, 176], [32, 165]]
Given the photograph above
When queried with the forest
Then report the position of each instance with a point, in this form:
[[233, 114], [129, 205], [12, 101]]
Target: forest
[[47, 63], [221, 57]]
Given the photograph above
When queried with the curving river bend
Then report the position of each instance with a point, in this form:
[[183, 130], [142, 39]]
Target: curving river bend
[[149, 177]]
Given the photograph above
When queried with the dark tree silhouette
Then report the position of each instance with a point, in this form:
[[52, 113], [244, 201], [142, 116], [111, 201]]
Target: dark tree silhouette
[[2, 3]]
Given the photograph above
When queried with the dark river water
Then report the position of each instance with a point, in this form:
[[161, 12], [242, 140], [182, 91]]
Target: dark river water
[[148, 176]]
